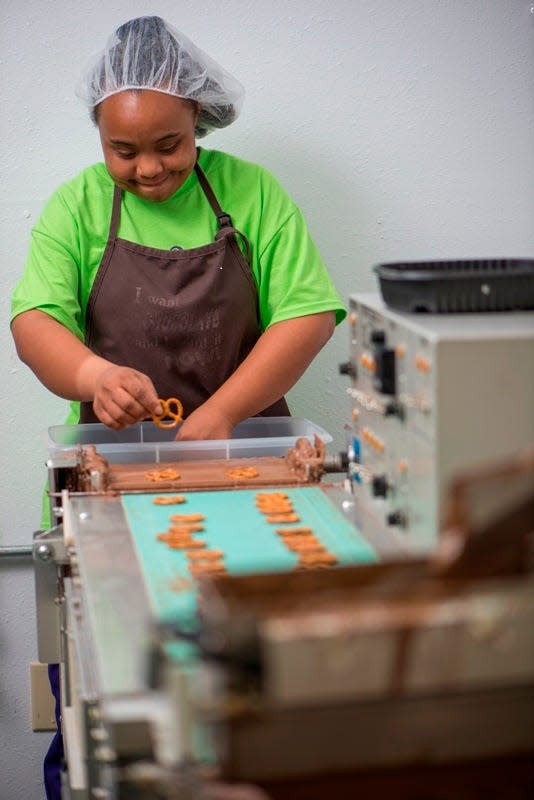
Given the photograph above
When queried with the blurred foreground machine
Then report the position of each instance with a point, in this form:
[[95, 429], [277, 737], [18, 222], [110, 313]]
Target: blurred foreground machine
[[406, 668], [408, 664]]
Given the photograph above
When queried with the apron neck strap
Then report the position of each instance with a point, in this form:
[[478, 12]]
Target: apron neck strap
[[223, 219], [115, 214]]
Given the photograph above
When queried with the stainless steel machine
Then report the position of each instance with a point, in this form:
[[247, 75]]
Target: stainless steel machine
[[324, 654], [431, 394]]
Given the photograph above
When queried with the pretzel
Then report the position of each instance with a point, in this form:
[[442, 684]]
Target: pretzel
[[323, 560], [206, 555], [166, 474], [175, 416], [204, 563], [267, 500], [294, 532], [242, 472], [277, 518], [301, 544], [183, 544], [184, 537], [278, 504], [279, 508], [311, 549], [275, 508], [183, 530], [175, 536], [210, 569], [169, 500]]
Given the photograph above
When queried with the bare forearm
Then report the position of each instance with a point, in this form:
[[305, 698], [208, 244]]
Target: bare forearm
[[277, 361], [120, 395], [61, 362]]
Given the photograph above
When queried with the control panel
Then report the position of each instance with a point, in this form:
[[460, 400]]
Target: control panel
[[430, 395]]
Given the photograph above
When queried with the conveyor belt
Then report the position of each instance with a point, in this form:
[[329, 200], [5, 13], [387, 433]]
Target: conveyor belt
[[234, 525], [203, 475]]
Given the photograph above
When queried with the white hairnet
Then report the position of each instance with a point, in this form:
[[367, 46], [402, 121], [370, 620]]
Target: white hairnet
[[147, 53]]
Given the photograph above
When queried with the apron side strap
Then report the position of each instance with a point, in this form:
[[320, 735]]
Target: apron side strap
[[246, 244], [229, 232]]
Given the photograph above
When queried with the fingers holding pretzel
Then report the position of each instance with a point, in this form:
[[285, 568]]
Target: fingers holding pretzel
[[171, 415]]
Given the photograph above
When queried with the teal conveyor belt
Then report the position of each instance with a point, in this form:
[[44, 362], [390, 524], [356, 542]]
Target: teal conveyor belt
[[234, 525]]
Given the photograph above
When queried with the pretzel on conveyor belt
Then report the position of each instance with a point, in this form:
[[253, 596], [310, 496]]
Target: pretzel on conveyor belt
[[242, 473], [169, 500], [205, 555], [317, 560], [183, 527], [165, 474], [276, 519], [185, 544], [173, 409]]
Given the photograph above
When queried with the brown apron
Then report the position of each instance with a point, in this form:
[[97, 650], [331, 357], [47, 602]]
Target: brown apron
[[185, 318]]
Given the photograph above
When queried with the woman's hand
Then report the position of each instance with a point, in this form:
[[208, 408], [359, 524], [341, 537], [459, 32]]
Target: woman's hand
[[205, 423], [123, 396], [273, 366], [120, 395]]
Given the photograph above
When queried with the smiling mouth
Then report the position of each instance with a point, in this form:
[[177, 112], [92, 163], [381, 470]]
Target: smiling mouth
[[152, 185]]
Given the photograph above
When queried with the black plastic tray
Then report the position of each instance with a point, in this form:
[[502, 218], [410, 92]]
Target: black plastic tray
[[441, 287]]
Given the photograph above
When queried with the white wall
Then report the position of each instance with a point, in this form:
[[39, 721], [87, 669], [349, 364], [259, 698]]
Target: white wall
[[404, 130]]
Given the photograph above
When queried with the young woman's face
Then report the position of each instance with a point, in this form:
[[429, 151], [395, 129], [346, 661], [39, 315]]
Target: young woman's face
[[148, 139]]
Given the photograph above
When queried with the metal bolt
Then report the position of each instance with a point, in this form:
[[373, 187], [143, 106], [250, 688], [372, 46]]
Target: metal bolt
[[45, 552]]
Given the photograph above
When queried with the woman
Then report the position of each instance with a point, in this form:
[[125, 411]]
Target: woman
[[171, 270]]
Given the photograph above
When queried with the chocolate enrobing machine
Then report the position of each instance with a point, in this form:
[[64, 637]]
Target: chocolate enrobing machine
[[399, 662]]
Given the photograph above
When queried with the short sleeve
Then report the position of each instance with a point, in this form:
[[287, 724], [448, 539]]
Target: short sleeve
[[50, 281], [294, 281]]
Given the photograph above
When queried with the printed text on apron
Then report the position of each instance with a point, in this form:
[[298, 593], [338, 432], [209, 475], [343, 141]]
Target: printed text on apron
[[185, 318]]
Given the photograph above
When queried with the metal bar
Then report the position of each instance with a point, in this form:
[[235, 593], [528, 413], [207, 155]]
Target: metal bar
[[17, 551]]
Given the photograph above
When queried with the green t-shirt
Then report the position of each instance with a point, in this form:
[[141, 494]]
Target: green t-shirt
[[68, 241]]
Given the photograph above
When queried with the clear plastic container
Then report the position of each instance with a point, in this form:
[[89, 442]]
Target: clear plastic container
[[145, 443]]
